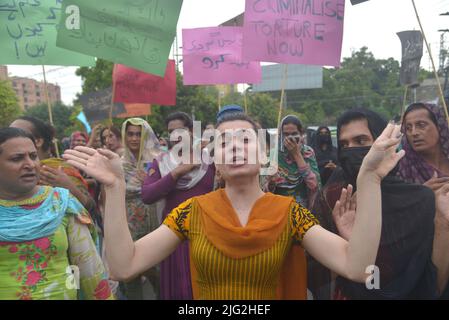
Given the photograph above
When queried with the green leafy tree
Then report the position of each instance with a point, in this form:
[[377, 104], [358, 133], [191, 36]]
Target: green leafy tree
[[61, 117], [9, 104], [200, 102], [361, 81], [76, 125], [96, 78], [263, 108]]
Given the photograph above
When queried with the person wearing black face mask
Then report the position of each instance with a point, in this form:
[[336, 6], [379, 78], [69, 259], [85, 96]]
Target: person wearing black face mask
[[351, 160], [326, 153], [404, 261]]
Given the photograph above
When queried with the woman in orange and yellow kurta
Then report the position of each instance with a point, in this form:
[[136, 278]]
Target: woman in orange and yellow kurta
[[250, 259]]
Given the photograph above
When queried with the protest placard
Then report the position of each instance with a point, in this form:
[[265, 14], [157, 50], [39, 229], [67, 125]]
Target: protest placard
[[97, 105], [293, 31], [412, 52], [136, 110], [28, 32], [134, 86], [214, 56], [138, 34]]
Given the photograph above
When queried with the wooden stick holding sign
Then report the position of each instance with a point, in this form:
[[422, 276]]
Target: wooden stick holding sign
[[112, 101], [284, 83], [440, 90], [245, 100], [50, 113], [404, 103]]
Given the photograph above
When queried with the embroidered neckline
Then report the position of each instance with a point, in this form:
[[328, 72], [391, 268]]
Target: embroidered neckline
[[38, 198]]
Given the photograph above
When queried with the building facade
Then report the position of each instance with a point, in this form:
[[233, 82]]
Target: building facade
[[3, 73], [31, 92]]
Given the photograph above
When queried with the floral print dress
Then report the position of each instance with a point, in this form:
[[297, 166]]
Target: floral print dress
[[63, 265]]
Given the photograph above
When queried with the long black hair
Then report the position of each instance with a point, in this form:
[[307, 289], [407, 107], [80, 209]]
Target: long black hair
[[114, 130]]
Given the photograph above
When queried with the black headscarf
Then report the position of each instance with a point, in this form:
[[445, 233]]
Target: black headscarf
[[323, 157], [405, 250], [320, 139]]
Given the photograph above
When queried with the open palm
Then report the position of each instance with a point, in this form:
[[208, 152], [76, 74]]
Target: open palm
[[103, 165], [382, 157], [344, 212]]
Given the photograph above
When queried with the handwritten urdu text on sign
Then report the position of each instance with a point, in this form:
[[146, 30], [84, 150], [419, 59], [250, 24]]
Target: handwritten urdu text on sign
[[214, 56], [138, 34], [28, 31]]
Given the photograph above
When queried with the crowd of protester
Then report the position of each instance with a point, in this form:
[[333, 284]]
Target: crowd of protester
[[367, 218]]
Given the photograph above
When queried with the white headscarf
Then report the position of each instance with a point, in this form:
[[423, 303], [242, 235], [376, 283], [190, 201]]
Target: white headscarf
[[149, 150]]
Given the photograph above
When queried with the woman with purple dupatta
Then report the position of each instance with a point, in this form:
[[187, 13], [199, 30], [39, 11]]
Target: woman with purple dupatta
[[426, 143], [426, 162], [170, 183]]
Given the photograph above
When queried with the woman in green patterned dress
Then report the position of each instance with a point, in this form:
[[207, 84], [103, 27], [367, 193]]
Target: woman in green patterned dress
[[298, 175], [46, 247]]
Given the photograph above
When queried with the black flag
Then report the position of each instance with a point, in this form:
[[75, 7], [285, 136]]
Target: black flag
[[354, 2], [97, 105], [412, 52]]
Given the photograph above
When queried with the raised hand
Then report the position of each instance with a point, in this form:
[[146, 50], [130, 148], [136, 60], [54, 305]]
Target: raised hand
[[183, 169], [103, 165], [331, 165], [293, 148], [54, 177], [94, 135], [382, 157], [344, 212]]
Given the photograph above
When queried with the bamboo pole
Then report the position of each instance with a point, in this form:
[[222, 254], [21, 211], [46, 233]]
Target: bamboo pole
[[404, 103], [245, 100], [440, 90], [50, 112], [284, 83], [112, 99]]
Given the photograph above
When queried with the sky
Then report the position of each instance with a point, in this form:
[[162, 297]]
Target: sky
[[373, 24]]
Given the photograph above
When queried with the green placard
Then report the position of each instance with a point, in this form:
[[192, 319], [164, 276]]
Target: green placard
[[136, 33], [28, 31]]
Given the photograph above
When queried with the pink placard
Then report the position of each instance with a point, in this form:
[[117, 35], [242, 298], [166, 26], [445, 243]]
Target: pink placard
[[135, 86], [214, 56], [294, 31]]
